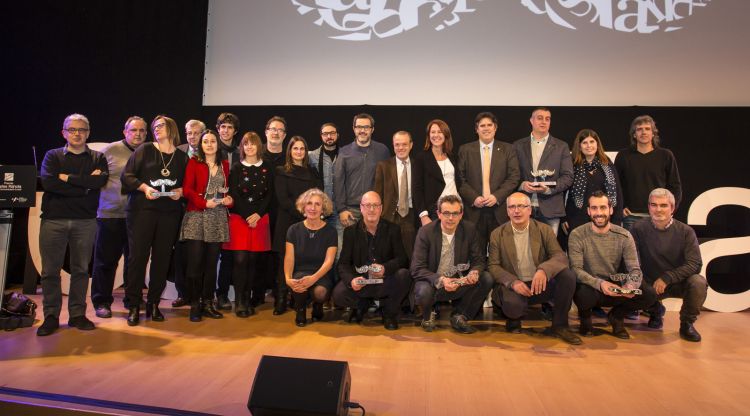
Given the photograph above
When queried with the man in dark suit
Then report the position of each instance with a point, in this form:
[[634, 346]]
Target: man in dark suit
[[488, 173], [540, 151], [529, 267], [393, 182], [443, 250], [376, 243]]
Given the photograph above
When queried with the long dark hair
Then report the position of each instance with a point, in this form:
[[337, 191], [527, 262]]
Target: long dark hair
[[200, 155], [289, 164]]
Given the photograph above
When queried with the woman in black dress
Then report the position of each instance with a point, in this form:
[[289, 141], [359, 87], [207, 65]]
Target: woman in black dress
[[290, 181], [310, 250], [435, 171], [153, 179]]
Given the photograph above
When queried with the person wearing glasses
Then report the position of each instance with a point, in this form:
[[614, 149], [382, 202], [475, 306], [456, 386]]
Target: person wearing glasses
[[448, 264], [290, 181], [310, 250], [434, 171], [152, 178], [71, 177], [529, 267], [354, 170], [373, 249], [111, 232], [205, 225], [274, 155]]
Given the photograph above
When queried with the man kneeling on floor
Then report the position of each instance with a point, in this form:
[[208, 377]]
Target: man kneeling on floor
[[529, 267]]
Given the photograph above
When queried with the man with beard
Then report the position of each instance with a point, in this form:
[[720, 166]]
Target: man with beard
[[227, 125], [322, 159], [596, 251]]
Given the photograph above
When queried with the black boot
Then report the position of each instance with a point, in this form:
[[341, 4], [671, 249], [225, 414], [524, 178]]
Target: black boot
[[279, 303], [317, 312], [300, 320], [153, 312], [241, 306], [209, 311], [134, 317], [195, 312]]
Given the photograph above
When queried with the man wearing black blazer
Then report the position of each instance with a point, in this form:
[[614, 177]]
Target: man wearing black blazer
[[485, 188], [442, 248], [541, 151], [393, 182], [376, 243]]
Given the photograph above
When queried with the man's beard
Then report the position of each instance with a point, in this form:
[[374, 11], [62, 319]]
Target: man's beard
[[606, 221]]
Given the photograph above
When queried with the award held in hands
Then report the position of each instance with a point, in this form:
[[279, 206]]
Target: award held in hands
[[540, 177], [369, 269], [163, 183]]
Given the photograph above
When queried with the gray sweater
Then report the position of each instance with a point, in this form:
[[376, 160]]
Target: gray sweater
[[595, 257], [111, 200]]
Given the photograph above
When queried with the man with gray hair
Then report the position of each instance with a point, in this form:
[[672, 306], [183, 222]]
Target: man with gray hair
[[193, 131], [671, 260], [111, 232], [71, 177]]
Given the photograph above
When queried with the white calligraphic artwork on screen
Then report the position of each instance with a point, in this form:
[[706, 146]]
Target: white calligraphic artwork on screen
[[477, 52]]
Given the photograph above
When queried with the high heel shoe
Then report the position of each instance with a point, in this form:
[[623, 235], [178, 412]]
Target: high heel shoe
[[153, 312], [134, 313]]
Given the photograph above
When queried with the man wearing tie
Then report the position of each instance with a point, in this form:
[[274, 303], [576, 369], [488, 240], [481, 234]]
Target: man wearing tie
[[488, 173], [393, 184]]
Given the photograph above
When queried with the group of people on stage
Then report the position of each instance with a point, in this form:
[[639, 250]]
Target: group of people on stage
[[522, 223]]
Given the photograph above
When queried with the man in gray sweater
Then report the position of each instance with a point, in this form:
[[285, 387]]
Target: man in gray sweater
[[596, 251], [671, 260]]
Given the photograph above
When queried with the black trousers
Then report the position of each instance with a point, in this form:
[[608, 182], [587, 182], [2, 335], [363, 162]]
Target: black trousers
[[111, 243], [560, 290], [486, 223], [394, 289], [179, 258], [225, 273], [150, 233], [586, 297], [466, 300], [201, 269], [692, 291]]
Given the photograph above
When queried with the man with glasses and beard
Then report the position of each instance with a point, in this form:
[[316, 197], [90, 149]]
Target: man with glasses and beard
[[596, 251]]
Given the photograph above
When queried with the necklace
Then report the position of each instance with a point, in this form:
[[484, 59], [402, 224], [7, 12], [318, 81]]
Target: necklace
[[164, 172]]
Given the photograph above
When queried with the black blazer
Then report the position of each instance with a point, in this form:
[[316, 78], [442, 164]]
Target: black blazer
[[426, 257], [427, 182], [389, 249]]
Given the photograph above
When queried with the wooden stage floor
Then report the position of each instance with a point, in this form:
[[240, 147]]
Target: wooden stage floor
[[209, 366]]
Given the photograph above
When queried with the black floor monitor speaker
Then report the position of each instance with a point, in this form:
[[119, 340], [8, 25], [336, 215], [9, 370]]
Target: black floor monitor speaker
[[297, 386]]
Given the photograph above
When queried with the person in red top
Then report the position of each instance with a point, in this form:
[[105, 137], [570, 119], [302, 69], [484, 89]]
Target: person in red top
[[205, 225]]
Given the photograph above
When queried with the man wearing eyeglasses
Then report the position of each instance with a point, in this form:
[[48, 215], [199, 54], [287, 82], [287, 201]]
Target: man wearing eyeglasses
[[71, 177], [372, 249], [529, 267], [111, 231], [354, 170], [448, 263], [193, 131], [323, 158]]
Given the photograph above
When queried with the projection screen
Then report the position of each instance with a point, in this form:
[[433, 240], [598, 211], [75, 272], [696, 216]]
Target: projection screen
[[474, 52]]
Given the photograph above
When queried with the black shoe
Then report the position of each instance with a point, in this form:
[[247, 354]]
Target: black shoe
[[317, 312], [357, 314], [48, 327], [587, 328], [458, 323], [390, 324], [300, 319], [687, 332], [547, 312], [223, 303], [513, 326], [618, 326], [196, 312], [656, 316], [428, 325], [179, 302], [103, 311], [241, 307], [81, 322], [153, 312], [209, 311], [279, 306], [566, 335], [134, 315]]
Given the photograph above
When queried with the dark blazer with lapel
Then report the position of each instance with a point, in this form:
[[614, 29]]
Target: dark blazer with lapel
[[556, 155], [504, 177], [426, 257], [389, 249], [545, 250], [386, 185], [428, 182]]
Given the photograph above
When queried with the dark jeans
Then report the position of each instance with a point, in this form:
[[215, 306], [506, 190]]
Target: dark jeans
[[201, 269], [225, 274], [394, 289], [560, 290], [586, 297], [692, 291], [54, 238], [150, 233], [466, 300], [111, 244]]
